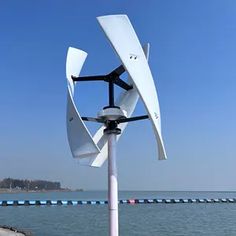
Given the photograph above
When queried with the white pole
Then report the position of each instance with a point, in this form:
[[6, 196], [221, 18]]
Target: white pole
[[112, 186]]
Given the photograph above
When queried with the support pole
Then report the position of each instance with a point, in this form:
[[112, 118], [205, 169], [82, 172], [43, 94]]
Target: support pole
[[112, 186]]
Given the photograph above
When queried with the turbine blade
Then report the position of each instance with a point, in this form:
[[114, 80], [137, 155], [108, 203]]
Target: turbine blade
[[80, 140], [124, 40], [74, 62]]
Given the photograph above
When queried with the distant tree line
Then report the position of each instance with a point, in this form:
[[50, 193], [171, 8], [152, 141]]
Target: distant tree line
[[9, 183]]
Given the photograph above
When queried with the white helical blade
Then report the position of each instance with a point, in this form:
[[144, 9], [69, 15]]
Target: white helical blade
[[127, 101], [81, 142], [124, 40]]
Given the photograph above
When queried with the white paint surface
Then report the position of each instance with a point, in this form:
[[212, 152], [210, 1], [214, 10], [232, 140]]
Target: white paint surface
[[124, 40]]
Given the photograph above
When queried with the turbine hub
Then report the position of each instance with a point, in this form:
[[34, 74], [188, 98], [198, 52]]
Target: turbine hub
[[112, 113]]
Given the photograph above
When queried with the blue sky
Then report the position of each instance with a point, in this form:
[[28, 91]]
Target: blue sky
[[193, 61]]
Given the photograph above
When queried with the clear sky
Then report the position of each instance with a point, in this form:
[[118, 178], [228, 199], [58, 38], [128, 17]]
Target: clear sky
[[193, 61]]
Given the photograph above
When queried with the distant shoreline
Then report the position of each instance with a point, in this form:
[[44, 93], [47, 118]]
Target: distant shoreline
[[12, 191]]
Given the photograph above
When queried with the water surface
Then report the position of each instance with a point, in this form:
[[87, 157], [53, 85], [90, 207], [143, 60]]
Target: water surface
[[142, 219]]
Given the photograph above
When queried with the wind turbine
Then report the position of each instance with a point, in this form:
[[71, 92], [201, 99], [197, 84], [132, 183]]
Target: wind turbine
[[93, 151]]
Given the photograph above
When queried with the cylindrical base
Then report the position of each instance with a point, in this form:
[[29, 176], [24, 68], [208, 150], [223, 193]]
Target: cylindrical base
[[112, 186]]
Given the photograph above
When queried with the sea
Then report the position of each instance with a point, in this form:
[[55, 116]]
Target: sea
[[198, 219]]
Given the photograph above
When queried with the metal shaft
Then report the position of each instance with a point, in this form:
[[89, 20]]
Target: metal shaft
[[112, 186], [111, 94]]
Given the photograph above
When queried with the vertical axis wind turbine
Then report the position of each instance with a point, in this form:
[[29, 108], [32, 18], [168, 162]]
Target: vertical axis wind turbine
[[93, 151]]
